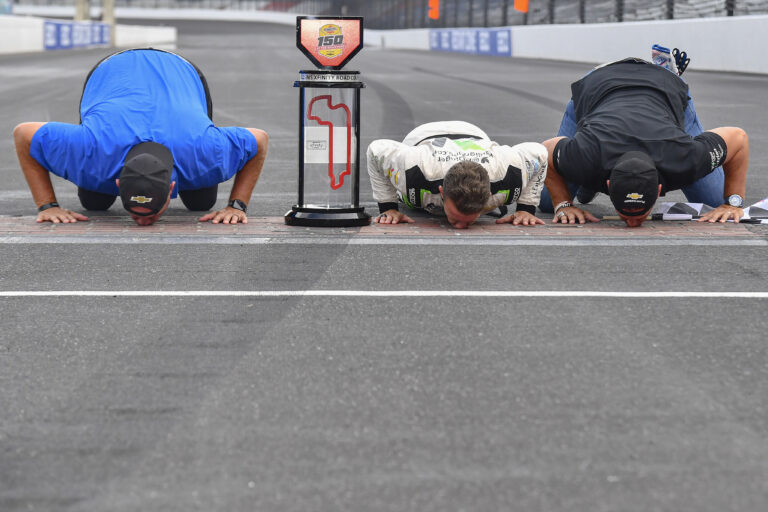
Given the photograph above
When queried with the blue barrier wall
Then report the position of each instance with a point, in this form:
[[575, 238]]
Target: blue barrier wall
[[474, 41], [61, 35]]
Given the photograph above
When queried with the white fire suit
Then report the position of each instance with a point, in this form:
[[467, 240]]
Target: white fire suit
[[411, 171]]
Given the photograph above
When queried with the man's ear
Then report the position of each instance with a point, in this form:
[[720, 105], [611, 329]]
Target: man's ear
[[440, 188], [118, 182]]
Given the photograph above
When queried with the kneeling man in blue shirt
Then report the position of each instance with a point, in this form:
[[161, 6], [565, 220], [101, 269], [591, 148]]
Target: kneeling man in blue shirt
[[146, 135]]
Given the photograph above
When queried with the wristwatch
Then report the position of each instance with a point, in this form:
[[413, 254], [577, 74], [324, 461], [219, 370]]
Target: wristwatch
[[238, 205], [735, 200]]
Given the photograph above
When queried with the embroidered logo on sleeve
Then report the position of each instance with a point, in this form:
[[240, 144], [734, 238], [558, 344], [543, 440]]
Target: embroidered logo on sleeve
[[715, 156]]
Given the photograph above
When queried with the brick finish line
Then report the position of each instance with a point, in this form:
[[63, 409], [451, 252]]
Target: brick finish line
[[275, 227]]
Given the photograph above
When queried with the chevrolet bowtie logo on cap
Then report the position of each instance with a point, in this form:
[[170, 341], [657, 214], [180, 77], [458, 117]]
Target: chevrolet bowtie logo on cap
[[141, 199], [634, 195]]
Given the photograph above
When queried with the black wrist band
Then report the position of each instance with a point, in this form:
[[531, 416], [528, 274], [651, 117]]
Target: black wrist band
[[47, 205], [238, 205], [383, 207], [526, 208]]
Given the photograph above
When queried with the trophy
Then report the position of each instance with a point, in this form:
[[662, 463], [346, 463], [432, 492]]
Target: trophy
[[329, 125]]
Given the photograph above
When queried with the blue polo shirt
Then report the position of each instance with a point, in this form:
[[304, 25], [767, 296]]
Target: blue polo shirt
[[138, 96]]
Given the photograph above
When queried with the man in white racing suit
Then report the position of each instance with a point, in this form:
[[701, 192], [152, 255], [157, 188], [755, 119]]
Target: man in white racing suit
[[452, 168]]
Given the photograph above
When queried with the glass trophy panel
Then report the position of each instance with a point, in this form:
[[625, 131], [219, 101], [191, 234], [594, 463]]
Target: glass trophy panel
[[330, 147]]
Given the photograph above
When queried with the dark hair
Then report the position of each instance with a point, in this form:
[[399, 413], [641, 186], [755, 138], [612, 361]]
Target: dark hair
[[468, 186]]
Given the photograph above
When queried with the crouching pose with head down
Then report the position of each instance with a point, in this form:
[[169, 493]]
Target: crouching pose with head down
[[452, 168], [631, 132], [145, 134]]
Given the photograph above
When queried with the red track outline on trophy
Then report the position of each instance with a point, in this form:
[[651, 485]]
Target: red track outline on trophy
[[348, 171]]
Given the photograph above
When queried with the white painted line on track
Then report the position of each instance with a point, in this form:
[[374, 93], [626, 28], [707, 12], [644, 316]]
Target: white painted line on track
[[382, 293], [383, 240]]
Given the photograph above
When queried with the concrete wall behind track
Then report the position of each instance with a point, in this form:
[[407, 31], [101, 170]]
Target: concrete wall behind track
[[19, 34], [715, 44]]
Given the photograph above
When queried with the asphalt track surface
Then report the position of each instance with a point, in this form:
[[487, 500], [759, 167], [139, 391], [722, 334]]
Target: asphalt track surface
[[331, 401]]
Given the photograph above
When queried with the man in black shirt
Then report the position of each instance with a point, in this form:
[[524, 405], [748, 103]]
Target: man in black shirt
[[631, 144]]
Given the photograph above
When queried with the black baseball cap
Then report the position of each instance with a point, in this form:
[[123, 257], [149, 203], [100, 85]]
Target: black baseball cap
[[146, 178], [634, 184]]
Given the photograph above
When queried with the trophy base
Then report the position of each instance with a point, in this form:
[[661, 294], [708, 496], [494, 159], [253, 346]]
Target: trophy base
[[327, 217]]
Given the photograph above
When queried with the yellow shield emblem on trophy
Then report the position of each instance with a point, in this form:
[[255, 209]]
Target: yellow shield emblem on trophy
[[330, 41]]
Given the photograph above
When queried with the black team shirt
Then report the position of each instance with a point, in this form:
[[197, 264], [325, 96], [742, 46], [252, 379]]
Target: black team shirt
[[633, 105]]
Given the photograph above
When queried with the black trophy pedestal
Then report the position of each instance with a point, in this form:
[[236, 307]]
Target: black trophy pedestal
[[327, 217]]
